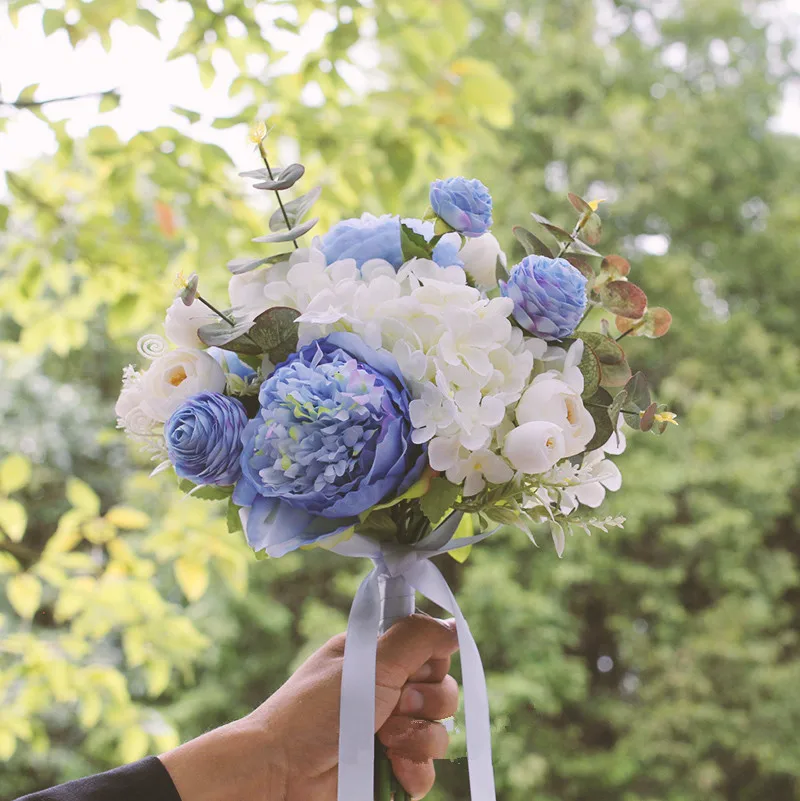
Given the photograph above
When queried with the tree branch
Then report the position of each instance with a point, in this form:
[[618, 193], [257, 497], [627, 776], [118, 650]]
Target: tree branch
[[21, 104]]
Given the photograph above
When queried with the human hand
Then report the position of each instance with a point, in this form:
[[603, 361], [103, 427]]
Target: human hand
[[287, 749]]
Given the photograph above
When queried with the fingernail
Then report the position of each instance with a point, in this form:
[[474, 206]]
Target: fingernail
[[411, 701]]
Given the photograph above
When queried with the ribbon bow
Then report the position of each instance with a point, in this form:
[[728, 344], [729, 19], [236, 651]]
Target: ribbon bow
[[357, 714]]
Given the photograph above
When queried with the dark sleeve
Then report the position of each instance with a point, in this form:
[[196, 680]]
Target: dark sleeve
[[147, 780]]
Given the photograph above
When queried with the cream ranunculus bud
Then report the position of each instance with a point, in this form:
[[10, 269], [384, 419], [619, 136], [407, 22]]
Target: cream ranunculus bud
[[480, 260], [176, 376], [183, 321], [534, 447], [550, 399]]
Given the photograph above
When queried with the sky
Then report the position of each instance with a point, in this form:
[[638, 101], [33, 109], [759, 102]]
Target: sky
[[137, 66]]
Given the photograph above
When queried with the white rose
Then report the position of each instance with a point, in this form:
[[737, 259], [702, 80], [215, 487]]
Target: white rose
[[534, 447], [246, 291], [480, 255], [130, 414], [550, 399], [183, 321], [176, 376]]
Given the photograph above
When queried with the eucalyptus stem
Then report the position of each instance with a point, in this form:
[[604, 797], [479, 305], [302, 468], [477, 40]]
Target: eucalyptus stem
[[277, 193], [629, 331], [572, 237]]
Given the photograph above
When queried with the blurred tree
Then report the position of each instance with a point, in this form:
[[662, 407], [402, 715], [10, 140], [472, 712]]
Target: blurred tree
[[659, 663]]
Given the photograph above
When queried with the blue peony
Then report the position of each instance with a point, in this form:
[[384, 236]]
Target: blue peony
[[204, 439], [332, 439], [549, 296], [463, 204], [368, 237]]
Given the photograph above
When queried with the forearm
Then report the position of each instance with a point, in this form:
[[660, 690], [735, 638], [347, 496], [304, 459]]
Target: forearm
[[237, 762]]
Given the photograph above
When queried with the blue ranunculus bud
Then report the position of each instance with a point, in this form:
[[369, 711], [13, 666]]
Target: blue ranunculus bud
[[463, 204], [549, 296], [204, 439], [369, 237], [332, 440]]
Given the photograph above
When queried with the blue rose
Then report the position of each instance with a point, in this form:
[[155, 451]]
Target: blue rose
[[204, 439], [549, 296], [332, 439], [463, 204], [368, 237], [231, 363]]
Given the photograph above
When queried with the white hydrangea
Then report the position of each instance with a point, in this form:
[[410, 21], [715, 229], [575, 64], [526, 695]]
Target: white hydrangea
[[464, 362]]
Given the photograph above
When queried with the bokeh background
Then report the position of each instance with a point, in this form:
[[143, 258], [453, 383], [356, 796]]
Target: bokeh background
[[657, 663]]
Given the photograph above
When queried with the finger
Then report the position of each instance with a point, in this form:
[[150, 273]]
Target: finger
[[433, 670], [416, 777], [429, 701], [409, 644], [419, 740]]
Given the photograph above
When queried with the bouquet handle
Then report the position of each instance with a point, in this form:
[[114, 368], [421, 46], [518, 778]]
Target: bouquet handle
[[398, 600]]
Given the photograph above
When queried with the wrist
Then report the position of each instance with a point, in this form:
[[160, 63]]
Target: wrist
[[234, 762]]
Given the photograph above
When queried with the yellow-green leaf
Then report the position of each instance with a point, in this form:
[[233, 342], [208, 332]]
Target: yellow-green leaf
[[13, 519], [192, 577], [15, 473], [8, 744], [133, 745], [466, 528], [24, 594], [82, 496], [127, 517]]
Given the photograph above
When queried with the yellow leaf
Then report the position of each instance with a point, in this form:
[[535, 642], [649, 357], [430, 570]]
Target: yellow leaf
[[466, 528], [99, 531], [192, 577], [158, 673], [8, 564], [8, 744], [15, 473], [82, 496], [127, 517], [13, 519], [91, 707], [24, 594], [133, 745]]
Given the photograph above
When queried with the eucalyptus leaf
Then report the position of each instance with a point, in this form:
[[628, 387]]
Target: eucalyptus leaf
[[295, 210], [246, 264], [500, 271], [638, 392], [647, 417], [620, 399], [592, 229], [598, 406], [291, 235], [624, 299], [532, 244], [275, 332], [220, 334], [284, 180], [578, 203]]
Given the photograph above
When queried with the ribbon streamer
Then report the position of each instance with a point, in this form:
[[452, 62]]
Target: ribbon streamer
[[357, 713]]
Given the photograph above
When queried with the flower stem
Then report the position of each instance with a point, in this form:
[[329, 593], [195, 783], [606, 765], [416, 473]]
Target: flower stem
[[277, 193], [630, 331], [216, 311], [572, 237]]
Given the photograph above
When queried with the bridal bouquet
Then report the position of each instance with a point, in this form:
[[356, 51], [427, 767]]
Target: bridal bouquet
[[393, 390]]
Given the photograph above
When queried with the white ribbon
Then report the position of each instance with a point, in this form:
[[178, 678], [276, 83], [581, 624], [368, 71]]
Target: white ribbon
[[357, 713]]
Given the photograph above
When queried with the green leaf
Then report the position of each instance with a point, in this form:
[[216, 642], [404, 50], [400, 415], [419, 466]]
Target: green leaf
[[579, 204], [532, 244], [591, 370], [52, 20], [82, 496], [206, 492], [638, 392], [24, 593], [26, 95], [275, 332], [414, 245], [582, 266], [108, 102], [295, 210], [378, 525], [223, 335], [233, 519], [624, 299], [246, 264], [13, 519], [598, 406], [647, 418], [15, 473], [192, 116], [500, 272], [439, 499], [592, 230], [616, 407], [288, 236]]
